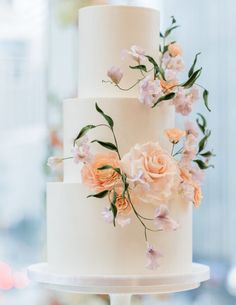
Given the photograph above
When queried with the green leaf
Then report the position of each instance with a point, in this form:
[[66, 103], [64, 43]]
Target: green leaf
[[114, 208], [104, 167], [202, 125], [106, 117], [99, 195], [203, 142], [165, 48], [173, 20], [207, 154], [203, 165], [155, 65], [107, 145], [192, 79], [139, 67], [169, 30], [83, 131], [126, 185], [116, 169], [191, 70], [165, 97], [161, 35], [205, 98]]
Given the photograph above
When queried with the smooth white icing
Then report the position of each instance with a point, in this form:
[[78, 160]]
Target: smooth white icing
[[134, 123], [103, 32], [81, 242]]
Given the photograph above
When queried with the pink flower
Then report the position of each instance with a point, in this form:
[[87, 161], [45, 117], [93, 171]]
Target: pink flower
[[136, 53], [172, 63], [115, 74], [163, 221], [183, 102], [107, 215], [190, 150], [81, 152], [152, 258], [194, 93], [123, 221], [100, 180], [152, 171], [149, 91], [55, 161], [190, 186], [174, 49], [197, 174], [170, 74], [191, 128]]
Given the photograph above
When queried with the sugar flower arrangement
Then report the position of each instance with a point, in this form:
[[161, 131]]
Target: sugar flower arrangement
[[147, 173]]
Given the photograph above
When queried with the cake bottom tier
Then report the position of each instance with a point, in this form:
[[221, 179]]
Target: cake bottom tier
[[80, 242]]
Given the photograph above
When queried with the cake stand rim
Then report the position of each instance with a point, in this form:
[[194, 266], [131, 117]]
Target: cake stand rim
[[120, 284]]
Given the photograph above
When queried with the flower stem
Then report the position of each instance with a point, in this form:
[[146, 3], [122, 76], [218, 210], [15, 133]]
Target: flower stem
[[67, 158], [131, 87], [114, 136], [178, 152]]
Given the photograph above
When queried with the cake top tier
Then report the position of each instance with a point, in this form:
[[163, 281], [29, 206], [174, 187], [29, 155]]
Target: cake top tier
[[106, 30]]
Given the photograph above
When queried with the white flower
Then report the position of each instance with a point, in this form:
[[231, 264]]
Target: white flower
[[55, 161]]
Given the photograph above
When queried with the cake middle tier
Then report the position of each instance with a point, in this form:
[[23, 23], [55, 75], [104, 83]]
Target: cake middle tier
[[133, 123]]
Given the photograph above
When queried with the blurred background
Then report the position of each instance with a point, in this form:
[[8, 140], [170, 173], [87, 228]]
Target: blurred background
[[38, 69]]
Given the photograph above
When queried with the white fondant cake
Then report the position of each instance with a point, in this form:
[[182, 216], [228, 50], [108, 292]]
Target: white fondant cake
[[78, 239]]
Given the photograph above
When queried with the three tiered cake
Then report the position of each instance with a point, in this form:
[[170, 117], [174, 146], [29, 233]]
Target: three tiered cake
[[140, 185]]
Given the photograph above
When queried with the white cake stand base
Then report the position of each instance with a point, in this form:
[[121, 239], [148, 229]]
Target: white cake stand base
[[120, 288]]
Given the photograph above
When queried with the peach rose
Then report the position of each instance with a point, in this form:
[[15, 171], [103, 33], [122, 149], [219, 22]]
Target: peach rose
[[122, 204], [100, 180], [197, 195], [175, 134], [175, 49], [151, 171]]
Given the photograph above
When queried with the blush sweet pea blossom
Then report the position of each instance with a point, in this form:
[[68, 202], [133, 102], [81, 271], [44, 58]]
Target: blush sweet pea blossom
[[152, 257], [172, 63], [149, 91], [191, 128], [81, 151], [163, 220], [185, 99], [135, 52], [54, 161], [175, 49], [107, 215], [189, 149], [115, 74]]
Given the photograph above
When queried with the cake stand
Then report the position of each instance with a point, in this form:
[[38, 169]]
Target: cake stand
[[119, 288]]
